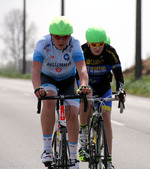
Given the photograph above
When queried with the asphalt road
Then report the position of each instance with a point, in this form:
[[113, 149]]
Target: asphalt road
[[21, 138]]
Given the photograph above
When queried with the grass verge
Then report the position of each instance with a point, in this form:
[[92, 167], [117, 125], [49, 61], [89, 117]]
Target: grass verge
[[139, 87], [14, 74]]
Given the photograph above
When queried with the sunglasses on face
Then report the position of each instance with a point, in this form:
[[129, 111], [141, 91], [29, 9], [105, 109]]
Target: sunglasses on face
[[94, 45], [58, 37]]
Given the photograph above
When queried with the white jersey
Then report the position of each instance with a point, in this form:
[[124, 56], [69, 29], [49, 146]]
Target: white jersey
[[58, 64]]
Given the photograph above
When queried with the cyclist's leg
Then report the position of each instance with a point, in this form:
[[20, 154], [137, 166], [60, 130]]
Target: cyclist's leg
[[107, 120], [48, 119], [48, 109], [73, 131], [84, 121], [83, 134], [48, 114], [85, 116]]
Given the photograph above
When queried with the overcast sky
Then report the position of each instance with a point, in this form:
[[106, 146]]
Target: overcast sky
[[117, 17]]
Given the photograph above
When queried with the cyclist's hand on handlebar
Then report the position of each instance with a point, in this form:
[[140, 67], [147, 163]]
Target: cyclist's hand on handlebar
[[121, 97], [84, 90], [40, 92], [121, 94]]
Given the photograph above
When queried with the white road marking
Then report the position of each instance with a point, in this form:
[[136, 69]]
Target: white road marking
[[117, 123]]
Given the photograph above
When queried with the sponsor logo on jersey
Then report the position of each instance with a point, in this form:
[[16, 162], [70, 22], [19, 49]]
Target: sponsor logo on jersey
[[59, 64], [94, 62], [66, 57], [58, 69]]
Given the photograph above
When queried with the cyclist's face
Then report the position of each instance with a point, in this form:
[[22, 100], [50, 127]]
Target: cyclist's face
[[96, 51], [60, 41]]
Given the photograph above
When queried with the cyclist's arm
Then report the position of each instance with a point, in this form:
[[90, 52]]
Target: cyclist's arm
[[119, 78], [82, 72], [83, 77], [36, 72]]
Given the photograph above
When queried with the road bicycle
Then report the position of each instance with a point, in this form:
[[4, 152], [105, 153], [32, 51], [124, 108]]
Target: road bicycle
[[60, 136], [97, 149]]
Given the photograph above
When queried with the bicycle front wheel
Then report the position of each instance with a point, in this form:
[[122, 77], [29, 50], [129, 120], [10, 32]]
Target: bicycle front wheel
[[56, 145], [63, 150], [92, 138], [101, 147], [98, 148]]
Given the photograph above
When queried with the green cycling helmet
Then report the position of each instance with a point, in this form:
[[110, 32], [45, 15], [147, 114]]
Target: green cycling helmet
[[95, 34], [107, 40], [60, 26]]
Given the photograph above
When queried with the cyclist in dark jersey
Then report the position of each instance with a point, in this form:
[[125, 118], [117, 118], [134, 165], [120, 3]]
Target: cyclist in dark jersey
[[102, 61]]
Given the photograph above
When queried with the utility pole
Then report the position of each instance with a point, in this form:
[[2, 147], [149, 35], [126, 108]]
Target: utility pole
[[62, 8], [138, 60], [24, 38]]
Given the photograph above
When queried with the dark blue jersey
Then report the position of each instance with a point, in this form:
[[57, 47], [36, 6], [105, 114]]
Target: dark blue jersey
[[101, 67]]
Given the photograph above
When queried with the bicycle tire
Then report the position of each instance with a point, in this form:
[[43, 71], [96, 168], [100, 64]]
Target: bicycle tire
[[97, 144], [91, 144], [106, 149], [63, 152], [98, 147], [55, 145], [101, 146]]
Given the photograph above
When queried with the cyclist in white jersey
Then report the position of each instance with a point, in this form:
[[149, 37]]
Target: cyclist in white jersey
[[55, 60]]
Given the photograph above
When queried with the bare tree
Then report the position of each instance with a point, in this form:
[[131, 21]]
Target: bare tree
[[13, 36]]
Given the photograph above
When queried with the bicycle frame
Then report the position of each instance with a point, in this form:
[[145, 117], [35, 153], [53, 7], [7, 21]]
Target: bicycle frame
[[62, 154], [97, 141], [60, 135]]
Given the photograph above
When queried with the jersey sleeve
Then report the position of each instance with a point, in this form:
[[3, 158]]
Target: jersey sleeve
[[119, 78], [115, 61], [38, 54], [117, 70], [77, 52]]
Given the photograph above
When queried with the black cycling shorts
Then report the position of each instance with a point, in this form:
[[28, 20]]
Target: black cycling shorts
[[64, 87]]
